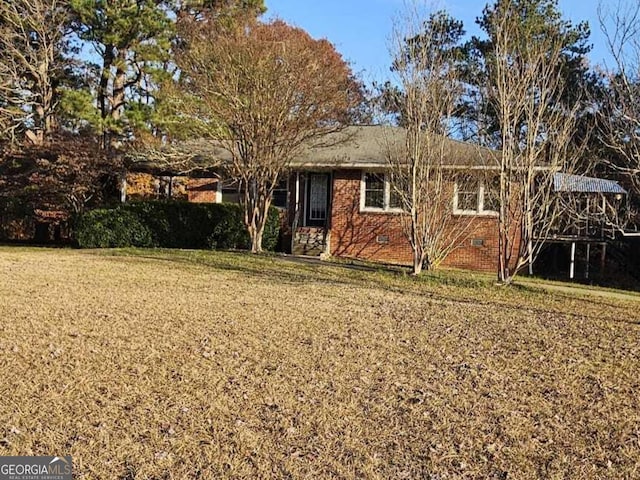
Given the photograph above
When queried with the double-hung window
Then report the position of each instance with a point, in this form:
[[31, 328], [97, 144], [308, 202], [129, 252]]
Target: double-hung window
[[281, 193], [491, 195], [378, 194], [476, 196]]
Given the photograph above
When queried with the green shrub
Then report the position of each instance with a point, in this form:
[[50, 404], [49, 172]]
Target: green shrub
[[112, 228], [229, 231], [172, 225], [271, 230]]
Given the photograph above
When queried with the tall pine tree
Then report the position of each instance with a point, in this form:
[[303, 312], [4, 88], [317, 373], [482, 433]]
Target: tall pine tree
[[132, 39]]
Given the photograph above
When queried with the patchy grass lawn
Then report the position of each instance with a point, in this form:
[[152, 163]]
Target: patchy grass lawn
[[181, 365]]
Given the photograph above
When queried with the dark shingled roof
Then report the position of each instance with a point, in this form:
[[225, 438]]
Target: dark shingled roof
[[351, 147], [563, 182], [368, 147]]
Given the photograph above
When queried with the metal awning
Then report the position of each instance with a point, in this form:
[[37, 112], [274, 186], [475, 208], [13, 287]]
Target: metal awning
[[563, 182]]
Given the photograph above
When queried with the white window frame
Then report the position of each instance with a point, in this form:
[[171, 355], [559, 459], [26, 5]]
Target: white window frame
[[387, 194], [480, 210]]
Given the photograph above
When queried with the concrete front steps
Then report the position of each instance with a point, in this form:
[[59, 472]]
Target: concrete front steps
[[309, 241]]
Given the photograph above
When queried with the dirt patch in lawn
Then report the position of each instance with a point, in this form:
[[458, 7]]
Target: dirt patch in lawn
[[192, 365]]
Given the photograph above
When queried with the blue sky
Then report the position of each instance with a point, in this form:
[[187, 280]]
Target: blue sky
[[360, 28]]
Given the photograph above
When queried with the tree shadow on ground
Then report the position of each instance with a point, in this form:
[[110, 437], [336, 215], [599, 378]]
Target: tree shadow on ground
[[394, 279]]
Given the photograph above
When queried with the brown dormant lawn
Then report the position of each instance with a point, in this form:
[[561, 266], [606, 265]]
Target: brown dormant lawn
[[184, 365]]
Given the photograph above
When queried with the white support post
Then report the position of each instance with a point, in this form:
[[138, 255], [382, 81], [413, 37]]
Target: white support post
[[586, 270], [123, 188], [296, 212], [572, 268], [604, 212], [297, 192]]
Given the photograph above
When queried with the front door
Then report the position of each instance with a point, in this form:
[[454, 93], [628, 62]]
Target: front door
[[317, 199]]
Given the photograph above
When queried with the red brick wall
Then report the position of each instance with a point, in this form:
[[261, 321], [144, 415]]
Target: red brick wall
[[355, 234], [202, 190], [470, 257]]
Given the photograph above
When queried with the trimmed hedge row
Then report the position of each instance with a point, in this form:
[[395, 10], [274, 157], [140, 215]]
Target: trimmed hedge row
[[171, 225]]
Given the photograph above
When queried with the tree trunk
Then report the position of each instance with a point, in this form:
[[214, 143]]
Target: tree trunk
[[256, 240], [103, 92], [504, 276], [256, 206], [256, 229], [418, 261], [118, 94]]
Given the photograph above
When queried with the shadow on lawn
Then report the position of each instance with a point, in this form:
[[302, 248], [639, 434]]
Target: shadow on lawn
[[263, 267], [301, 271]]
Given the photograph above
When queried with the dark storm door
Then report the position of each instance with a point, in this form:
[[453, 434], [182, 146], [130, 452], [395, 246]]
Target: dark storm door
[[317, 199]]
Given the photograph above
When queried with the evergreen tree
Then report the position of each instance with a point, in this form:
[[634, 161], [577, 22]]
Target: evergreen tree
[[442, 36], [543, 21], [133, 41]]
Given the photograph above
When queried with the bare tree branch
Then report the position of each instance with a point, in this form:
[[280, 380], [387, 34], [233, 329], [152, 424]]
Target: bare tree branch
[[536, 127], [31, 35], [618, 110], [429, 90]]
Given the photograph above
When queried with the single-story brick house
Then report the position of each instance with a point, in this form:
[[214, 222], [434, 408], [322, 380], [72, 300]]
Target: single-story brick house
[[336, 199], [345, 202]]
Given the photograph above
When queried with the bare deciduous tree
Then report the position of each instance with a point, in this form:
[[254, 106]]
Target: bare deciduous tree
[[260, 90], [9, 104], [429, 90], [618, 108], [536, 130], [31, 36]]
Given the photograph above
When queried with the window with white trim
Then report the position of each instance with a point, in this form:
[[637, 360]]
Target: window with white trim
[[476, 196], [378, 195]]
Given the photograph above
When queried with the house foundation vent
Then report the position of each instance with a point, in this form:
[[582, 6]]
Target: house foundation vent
[[382, 239]]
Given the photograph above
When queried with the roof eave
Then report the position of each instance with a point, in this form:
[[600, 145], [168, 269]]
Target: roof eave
[[375, 166]]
